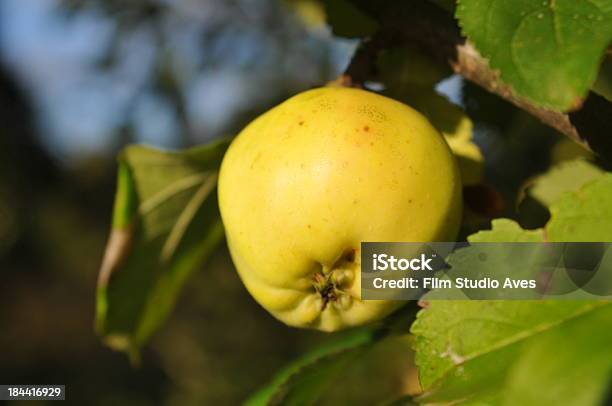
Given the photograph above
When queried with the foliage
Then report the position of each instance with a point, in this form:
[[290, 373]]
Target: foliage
[[502, 352], [548, 51], [304, 380], [165, 224], [508, 352], [457, 342], [567, 176]]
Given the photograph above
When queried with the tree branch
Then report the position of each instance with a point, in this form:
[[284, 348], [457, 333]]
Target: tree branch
[[435, 32], [474, 68]]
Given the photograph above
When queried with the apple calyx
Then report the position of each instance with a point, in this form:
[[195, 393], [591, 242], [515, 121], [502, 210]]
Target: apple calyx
[[332, 283]]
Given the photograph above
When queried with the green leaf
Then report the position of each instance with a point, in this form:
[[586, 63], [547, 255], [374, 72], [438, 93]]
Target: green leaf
[[305, 380], [568, 176], [165, 224], [505, 230], [577, 376], [347, 20], [499, 260], [514, 352], [566, 149], [585, 215], [547, 50], [506, 352]]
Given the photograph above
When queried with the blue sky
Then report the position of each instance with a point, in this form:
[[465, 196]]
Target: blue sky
[[80, 106]]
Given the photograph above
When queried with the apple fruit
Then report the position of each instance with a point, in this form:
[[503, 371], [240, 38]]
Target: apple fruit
[[306, 182]]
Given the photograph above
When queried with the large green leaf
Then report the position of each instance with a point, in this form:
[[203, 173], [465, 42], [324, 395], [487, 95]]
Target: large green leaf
[[165, 223], [569, 365], [522, 352], [514, 352], [547, 50]]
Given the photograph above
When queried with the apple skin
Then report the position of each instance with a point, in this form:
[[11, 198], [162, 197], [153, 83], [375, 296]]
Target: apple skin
[[305, 183]]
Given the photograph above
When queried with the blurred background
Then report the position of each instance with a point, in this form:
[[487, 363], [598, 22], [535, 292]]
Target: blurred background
[[80, 79]]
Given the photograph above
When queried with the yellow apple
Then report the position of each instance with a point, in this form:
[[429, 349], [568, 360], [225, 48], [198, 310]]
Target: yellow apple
[[305, 183]]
